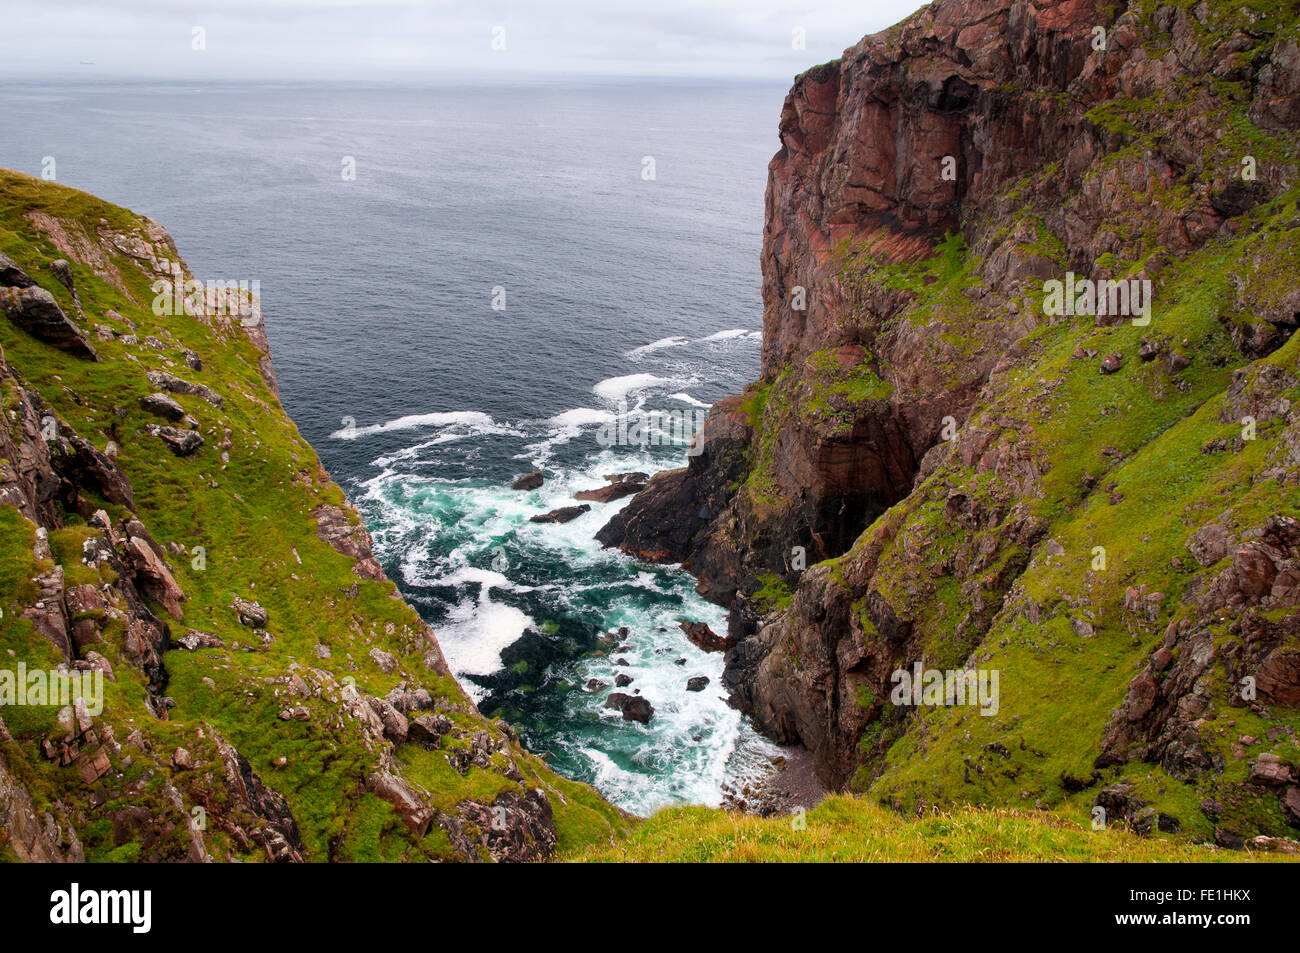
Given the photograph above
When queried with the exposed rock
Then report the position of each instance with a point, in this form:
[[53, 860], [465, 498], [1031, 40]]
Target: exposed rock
[[11, 276], [34, 310], [427, 730], [153, 576], [1291, 806], [175, 385], [515, 827], [386, 661], [94, 662], [937, 438], [1148, 350], [47, 613], [610, 492], [346, 532], [563, 514], [93, 765], [704, 638], [193, 640], [63, 487], [88, 468], [1271, 771], [633, 707], [1209, 544], [396, 726], [160, 405], [63, 271], [1279, 845], [1277, 680], [273, 825], [697, 683], [182, 443], [251, 614], [660, 522], [27, 833], [529, 481]]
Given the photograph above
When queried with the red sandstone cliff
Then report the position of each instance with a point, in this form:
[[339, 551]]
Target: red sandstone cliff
[[1124, 161]]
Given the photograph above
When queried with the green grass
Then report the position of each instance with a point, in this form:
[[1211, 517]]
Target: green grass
[[852, 830], [251, 517]]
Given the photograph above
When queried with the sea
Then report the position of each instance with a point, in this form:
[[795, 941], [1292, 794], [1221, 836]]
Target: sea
[[463, 283]]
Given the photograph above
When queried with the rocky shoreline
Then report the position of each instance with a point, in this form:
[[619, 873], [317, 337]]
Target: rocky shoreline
[[787, 783]]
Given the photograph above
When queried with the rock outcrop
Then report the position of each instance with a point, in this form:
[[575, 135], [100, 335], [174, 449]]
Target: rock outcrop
[[35, 310]]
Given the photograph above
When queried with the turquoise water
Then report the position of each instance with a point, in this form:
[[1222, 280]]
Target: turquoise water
[[483, 574]]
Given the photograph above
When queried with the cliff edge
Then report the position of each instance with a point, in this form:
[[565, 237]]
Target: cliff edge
[[252, 686], [945, 465]]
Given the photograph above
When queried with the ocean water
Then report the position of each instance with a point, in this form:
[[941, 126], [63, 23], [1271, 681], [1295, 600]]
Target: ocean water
[[622, 294]]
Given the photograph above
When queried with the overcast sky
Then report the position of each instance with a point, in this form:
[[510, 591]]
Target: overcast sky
[[386, 39]]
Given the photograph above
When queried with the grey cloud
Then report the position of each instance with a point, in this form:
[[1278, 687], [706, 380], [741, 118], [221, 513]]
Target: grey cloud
[[350, 39]]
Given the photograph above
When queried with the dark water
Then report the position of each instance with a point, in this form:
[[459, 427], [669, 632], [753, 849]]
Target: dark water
[[424, 401]]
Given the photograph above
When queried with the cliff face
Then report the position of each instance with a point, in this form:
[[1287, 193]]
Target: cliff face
[[267, 695], [931, 468]]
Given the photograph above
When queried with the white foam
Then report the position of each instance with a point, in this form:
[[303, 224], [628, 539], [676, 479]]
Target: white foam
[[661, 344], [475, 633], [460, 418], [565, 427], [688, 399], [684, 754], [486, 578], [581, 417], [727, 335], [614, 389]]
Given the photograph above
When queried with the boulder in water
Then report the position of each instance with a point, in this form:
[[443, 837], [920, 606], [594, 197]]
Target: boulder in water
[[529, 481], [609, 492], [633, 707], [705, 638], [562, 515]]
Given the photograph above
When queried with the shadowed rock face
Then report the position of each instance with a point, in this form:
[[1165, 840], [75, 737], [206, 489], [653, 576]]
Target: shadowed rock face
[[11, 276], [35, 311], [1000, 125]]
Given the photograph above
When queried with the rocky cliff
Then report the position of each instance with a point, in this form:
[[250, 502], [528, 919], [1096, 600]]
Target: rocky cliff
[[934, 467], [267, 695]]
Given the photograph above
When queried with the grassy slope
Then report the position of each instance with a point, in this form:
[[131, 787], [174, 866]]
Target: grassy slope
[[851, 829], [1139, 435], [250, 517], [1152, 489]]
